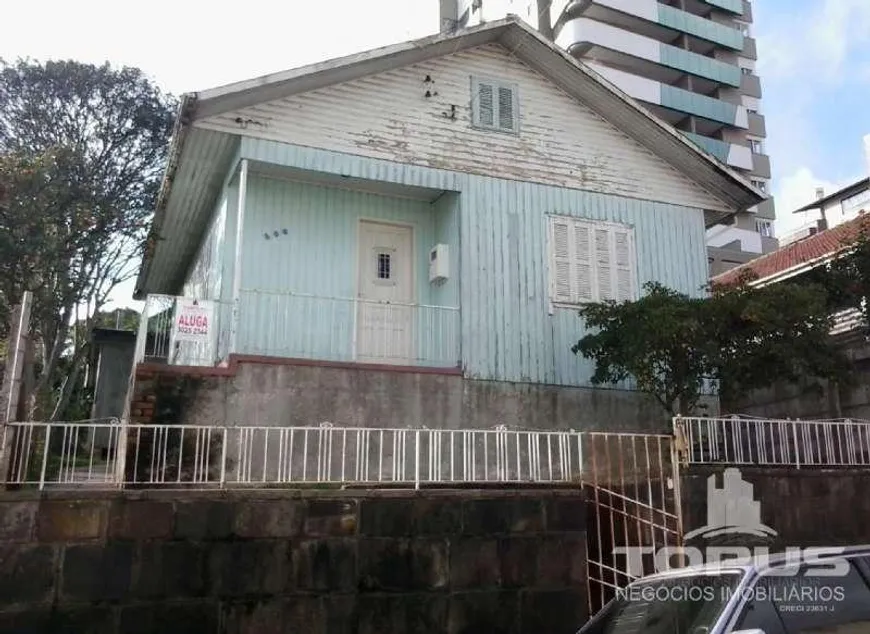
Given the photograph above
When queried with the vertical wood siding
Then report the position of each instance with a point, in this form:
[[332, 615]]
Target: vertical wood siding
[[315, 252], [386, 116], [496, 229], [205, 279], [507, 331]]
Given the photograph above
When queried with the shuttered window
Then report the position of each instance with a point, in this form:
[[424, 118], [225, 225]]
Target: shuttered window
[[494, 105], [590, 261]]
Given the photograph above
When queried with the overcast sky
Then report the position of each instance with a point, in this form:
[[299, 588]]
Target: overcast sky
[[814, 60]]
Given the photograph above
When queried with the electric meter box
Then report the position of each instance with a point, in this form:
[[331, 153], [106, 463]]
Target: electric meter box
[[439, 263]]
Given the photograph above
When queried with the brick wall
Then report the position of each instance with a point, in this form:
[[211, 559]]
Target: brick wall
[[319, 562], [144, 397]]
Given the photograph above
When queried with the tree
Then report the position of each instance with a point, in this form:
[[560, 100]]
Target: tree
[[82, 149], [657, 340], [739, 336], [847, 276], [760, 336]]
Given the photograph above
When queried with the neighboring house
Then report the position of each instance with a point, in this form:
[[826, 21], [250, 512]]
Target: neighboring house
[[831, 210], [797, 259], [795, 262], [430, 214]]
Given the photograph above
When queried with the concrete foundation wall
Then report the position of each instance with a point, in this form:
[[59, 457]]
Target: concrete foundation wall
[[318, 562], [806, 507], [282, 393]]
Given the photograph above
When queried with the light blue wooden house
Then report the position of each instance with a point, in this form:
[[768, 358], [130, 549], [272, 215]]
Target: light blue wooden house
[[441, 205]]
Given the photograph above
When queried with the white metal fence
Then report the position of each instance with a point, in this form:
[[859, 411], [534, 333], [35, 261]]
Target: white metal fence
[[774, 442], [66, 454], [846, 321]]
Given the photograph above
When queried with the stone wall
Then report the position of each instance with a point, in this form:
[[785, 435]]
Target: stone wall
[[318, 562], [280, 392], [806, 507]]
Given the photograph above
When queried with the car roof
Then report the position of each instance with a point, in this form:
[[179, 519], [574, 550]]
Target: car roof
[[759, 563]]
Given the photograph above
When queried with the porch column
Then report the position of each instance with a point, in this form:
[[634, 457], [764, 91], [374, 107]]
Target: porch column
[[237, 258]]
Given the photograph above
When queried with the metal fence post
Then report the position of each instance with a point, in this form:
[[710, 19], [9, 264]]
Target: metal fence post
[[224, 459], [417, 459], [44, 457], [797, 449]]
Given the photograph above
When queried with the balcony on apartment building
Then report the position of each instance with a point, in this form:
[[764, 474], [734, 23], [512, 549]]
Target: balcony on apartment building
[[739, 8], [645, 56], [653, 19], [750, 48], [674, 104], [733, 154], [750, 84], [743, 157], [757, 126]]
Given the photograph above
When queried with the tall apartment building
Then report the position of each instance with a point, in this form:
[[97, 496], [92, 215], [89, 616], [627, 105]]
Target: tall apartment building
[[691, 62]]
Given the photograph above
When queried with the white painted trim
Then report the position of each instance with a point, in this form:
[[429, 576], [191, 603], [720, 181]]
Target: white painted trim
[[237, 264], [795, 270]]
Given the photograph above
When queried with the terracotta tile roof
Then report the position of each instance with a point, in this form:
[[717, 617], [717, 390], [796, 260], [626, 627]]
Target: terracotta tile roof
[[800, 252]]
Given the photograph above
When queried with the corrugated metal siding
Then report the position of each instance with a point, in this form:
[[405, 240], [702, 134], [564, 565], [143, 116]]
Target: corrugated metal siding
[[387, 116], [507, 332]]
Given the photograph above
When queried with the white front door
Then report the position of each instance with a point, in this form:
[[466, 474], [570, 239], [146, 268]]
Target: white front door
[[386, 290]]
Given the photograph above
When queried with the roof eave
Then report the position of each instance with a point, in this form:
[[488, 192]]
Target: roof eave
[[863, 183], [733, 188], [313, 76], [186, 112]]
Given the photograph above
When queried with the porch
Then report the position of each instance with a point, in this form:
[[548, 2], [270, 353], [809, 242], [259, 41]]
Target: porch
[[307, 264], [298, 325]]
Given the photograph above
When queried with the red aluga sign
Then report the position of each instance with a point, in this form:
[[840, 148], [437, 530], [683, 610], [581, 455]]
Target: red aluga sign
[[193, 319]]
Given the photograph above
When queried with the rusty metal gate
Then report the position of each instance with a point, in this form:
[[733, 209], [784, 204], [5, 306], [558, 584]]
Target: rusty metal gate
[[632, 489]]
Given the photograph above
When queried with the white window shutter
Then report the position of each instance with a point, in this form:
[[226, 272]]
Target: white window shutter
[[603, 265], [506, 112], [583, 284], [590, 261], [562, 262], [624, 269], [485, 105]]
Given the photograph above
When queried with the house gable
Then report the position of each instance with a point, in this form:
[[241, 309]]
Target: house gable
[[388, 115]]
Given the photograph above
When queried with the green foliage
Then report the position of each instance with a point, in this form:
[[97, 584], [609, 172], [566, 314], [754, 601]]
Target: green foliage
[[740, 336], [759, 336], [82, 150], [658, 340], [847, 277]]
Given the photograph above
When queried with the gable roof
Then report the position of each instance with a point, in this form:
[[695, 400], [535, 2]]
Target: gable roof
[[848, 190], [544, 56], [800, 256], [527, 45]]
